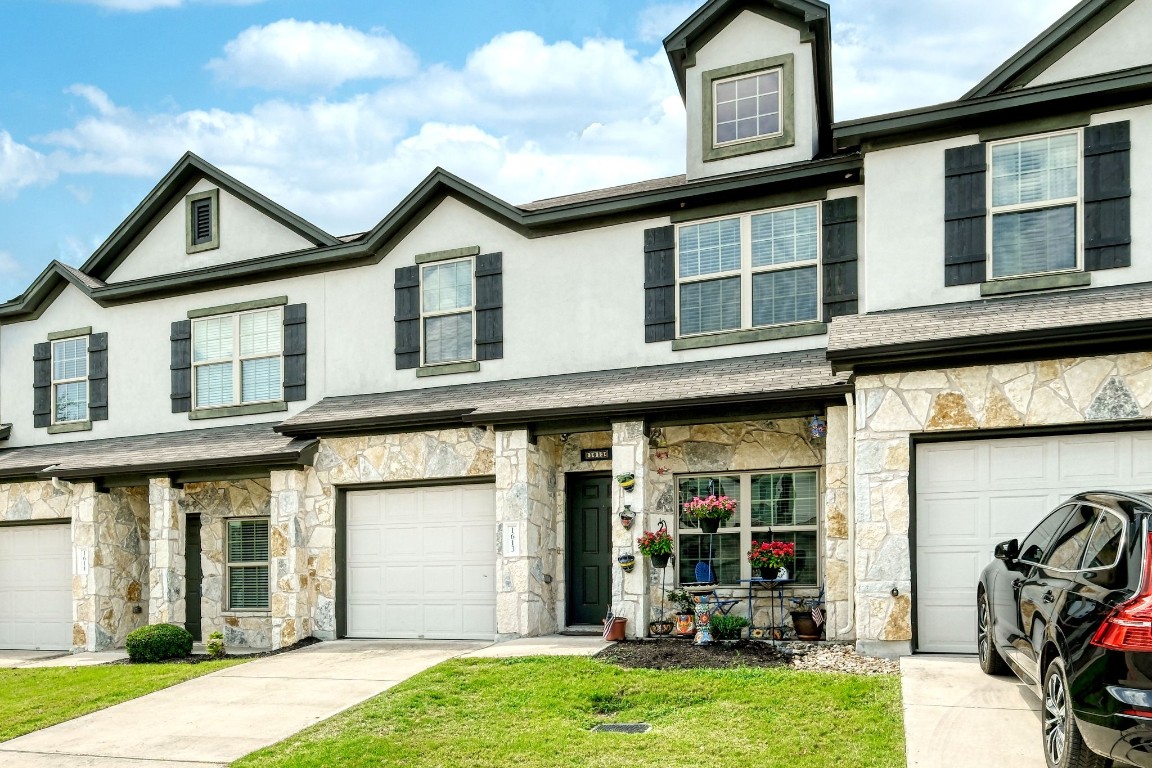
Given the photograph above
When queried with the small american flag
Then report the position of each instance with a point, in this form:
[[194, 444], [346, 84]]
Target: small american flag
[[817, 615]]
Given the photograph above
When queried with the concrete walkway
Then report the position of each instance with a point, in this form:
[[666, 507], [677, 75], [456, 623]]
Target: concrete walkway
[[211, 721], [955, 716]]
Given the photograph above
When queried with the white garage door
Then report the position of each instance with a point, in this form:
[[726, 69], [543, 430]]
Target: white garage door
[[972, 495], [36, 587], [421, 563]]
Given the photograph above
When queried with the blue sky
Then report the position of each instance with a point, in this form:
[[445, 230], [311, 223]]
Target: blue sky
[[337, 108]]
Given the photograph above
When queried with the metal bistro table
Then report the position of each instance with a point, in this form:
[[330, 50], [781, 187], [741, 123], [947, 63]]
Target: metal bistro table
[[775, 588]]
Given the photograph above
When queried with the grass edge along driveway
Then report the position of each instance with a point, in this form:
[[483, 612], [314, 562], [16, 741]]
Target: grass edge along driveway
[[31, 699], [537, 712]]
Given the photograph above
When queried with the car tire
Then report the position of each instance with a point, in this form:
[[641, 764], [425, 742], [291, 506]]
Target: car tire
[[991, 662], [1064, 747]]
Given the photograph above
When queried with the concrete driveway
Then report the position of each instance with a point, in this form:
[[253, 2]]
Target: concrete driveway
[[955, 716], [213, 720]]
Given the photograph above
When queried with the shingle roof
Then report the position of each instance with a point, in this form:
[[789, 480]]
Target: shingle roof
[[593, 195], [87, 280], [991, 318], [222, 447], [602, 393]]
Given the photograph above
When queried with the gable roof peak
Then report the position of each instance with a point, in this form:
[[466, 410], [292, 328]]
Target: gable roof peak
[[1049, 46], [187, 170]]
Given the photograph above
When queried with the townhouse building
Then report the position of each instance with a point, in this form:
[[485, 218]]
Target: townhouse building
[[893, 341]]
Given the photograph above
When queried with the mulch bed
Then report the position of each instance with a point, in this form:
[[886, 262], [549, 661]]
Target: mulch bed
[[197, 658], [682, 654]]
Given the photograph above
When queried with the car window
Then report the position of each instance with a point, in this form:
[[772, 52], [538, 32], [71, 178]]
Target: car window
[[1066, 549], [1036, 545], [1103, 546]]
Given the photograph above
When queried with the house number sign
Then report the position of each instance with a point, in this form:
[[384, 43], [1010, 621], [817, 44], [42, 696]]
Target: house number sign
[[596, 454]]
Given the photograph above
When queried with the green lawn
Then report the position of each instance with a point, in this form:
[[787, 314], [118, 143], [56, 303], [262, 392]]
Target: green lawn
[[31, 699], [536, 712]]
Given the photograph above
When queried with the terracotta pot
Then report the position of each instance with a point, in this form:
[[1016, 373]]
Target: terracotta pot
[[617, 630], [660, 561]]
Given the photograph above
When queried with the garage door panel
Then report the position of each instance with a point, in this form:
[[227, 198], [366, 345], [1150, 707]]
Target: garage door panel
[[972, 495], [36, 587], [436, 563]]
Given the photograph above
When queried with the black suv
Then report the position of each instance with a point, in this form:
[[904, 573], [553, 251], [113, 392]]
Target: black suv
[[1069, 610]]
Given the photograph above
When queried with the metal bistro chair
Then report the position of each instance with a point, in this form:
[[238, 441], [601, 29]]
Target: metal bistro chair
[[705, 575]]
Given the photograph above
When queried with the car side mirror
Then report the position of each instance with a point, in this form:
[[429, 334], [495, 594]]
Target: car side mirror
[[1008, 551]]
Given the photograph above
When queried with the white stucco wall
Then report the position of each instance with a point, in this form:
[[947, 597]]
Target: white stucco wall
[[903, 243], [245, 233], [749, 38], [572, 302], [1121, 43]]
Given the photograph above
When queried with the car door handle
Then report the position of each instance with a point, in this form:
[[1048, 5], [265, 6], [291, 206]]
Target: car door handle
[[1016, 583], [1049, 597]]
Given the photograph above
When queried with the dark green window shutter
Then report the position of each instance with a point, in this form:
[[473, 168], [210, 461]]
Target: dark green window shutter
[[840, 258], [42, 384], [965, 215], [295, 352], [181, 366], [202, 221], [1107, 196], [489, 306], [659, 284], [407, 317], [98, 377]]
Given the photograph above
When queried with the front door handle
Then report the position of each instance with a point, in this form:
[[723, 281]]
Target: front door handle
[[1049, 597]]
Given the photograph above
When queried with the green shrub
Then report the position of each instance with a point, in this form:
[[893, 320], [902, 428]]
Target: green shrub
[[215, 645], [157, 642], [728, 627]]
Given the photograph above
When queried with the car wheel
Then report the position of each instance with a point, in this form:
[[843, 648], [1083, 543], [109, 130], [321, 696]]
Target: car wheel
[[1064, 747], [991, 662]]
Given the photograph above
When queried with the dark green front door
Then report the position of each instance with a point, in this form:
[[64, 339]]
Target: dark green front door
[[194, 576], [589, 548]]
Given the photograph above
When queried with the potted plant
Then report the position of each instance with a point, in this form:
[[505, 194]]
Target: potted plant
[[627, 561], [710, 511], [728, 626], [656, 545], [770, 556], [627, 481], [807, 617], [685, 621]]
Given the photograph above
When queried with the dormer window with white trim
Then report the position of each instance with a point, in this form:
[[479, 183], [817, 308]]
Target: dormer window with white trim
[[202, 220], [749, 107]]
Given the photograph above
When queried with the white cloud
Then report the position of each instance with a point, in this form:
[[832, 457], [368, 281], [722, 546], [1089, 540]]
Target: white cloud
[[522, 118], [891, 54], [135, 6], [290, 54], [657, 21], [9, 267], [21, 166]]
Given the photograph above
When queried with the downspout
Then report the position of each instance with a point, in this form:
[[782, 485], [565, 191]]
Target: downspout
[[850, 627]]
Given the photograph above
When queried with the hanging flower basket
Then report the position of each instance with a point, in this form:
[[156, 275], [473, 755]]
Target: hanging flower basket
[[657, 545], [710, 511]]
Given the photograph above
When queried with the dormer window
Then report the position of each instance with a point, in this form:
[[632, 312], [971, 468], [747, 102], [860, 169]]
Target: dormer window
[[202, 220], [749, 107]]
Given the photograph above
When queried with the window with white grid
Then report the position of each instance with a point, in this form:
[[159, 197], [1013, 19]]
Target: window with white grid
[[1035, 205], [70, 380], [248, 564], [747, 107], [749, 271], [446, 303], [237, 358]]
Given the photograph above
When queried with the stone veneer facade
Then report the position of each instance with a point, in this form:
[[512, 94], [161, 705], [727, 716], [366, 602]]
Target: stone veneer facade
[[891, 408]]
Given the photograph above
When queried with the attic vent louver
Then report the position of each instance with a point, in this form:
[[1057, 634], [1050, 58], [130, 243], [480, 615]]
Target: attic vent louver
[[202, 221]]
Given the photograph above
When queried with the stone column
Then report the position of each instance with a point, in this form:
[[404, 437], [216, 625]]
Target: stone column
[[838, 520], [85, 608], [630, 590], [524, 602], [166, 567], [289, 599]]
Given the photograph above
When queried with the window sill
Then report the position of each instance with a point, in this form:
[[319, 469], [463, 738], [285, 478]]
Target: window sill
[[1041, 283], [238, 410], [748, 337], [75, 426], [447, 368], [255, 613]]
